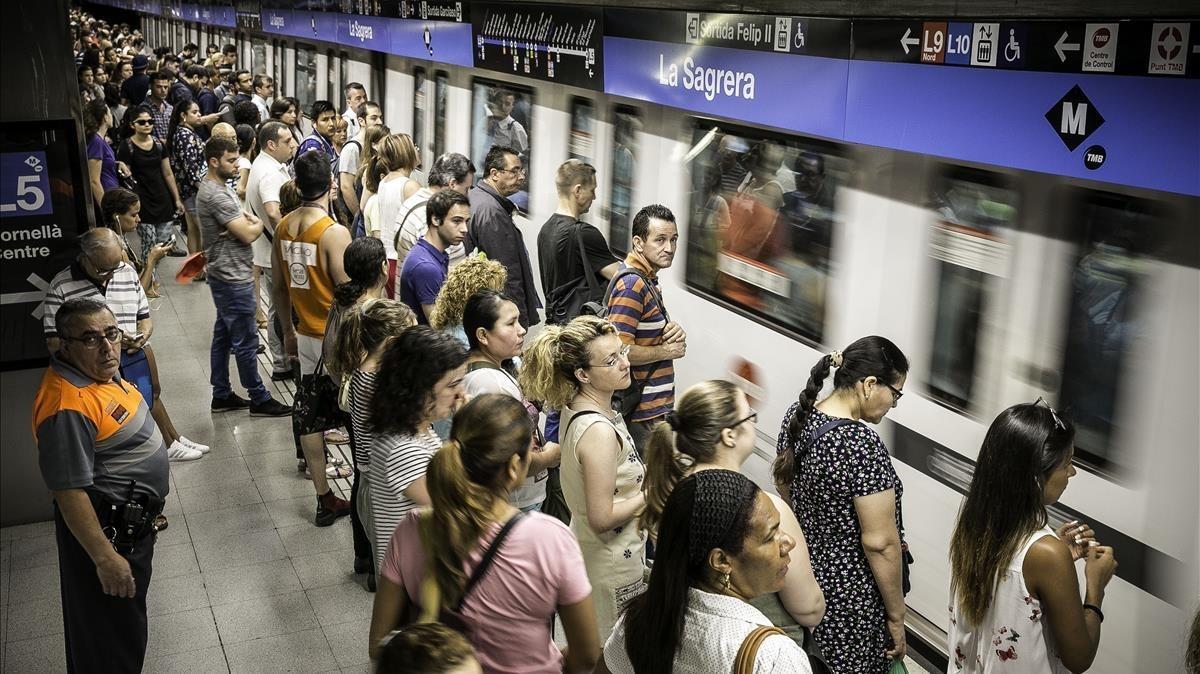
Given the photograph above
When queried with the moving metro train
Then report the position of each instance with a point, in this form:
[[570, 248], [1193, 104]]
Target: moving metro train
[[1000, 282]]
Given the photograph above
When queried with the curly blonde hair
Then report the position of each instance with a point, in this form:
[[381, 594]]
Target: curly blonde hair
[[465, 279]]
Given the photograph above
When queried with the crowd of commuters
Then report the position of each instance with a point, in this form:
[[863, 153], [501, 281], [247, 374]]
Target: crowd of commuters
[[499, 484]]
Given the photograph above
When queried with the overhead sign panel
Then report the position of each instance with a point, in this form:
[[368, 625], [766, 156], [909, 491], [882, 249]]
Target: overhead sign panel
[[556, 44], [1124, 48]]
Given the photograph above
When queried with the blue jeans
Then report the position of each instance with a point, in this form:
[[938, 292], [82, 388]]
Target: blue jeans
[[235, 330]]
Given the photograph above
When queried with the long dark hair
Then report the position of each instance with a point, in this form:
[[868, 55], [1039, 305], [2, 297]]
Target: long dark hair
[[176, 120], [410, 368], [1023, 446], [872, 356], [707, 510], [466, 477], [363, 262]]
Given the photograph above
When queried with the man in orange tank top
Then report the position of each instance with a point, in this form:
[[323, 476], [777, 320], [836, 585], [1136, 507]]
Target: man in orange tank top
[[306, 265]]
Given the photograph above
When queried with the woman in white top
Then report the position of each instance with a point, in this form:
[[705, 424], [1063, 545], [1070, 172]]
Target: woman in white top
[[576, 368], [495, 337], [720, 545], [1015, 593], [398, 156], [713, 427], [420, 379]]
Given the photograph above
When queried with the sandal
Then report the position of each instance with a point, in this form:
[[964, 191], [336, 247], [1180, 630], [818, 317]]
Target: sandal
[[336, 436], [334, 470]]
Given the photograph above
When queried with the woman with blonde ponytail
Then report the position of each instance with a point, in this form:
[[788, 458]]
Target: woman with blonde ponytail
[[576, 368], [844, 491], [536, 567], [713, 427]]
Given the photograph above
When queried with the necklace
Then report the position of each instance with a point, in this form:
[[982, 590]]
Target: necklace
[[607, 411], [314, 205]]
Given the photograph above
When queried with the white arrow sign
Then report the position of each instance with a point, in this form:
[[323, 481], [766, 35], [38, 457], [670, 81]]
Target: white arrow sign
[[38, 295], [908, 40], [1062, 46]]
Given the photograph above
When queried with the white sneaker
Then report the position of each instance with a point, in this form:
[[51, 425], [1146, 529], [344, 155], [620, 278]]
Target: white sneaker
[[204, 449], [181, 452]]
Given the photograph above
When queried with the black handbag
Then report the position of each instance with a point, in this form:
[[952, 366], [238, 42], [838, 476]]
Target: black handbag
[[315, 405], [568, 300]]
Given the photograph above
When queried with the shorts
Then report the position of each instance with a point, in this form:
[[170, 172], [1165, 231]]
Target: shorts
[[309, 350]]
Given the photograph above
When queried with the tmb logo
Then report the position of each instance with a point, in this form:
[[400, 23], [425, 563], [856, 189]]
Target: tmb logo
[[1074, 117], [1101, 38]]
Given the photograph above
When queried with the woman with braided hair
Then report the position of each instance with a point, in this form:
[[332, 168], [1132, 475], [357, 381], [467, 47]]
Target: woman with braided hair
[[720, 545], [535, 571], [713, 427], [836, 473]]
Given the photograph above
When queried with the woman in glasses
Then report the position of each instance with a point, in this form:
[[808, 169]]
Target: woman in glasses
[[836, 473], [576, 368], [1015, 594], [150, 168], [713, 427]]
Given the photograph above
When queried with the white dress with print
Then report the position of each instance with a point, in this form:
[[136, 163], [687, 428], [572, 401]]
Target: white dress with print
[[1014, 636]]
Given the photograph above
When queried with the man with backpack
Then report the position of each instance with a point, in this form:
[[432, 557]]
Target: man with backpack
[[635, 306], [369, 114], [576, 263]]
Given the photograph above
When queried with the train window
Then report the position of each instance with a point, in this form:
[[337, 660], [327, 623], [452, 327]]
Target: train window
[[339, 95], [1116, 236], [332, 89], [441, 89], [501, 115], [579, 145], [419, 106], [761, 222], [258, 56], [969, 243], [626, 127], [305, 87]]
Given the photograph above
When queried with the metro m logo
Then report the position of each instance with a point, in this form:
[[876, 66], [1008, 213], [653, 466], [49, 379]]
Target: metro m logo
[[1074, 118]]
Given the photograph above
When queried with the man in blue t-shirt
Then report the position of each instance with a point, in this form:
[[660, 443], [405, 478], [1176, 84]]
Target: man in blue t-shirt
[[425, 266]]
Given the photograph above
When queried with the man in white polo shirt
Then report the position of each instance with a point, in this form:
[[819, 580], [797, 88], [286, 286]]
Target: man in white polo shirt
[[276, 146]]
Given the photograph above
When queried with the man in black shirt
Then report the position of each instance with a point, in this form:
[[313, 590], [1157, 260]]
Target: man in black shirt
[[564, 268], [135, 88]]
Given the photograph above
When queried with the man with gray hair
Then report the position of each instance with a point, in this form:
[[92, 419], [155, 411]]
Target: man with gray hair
[[451, 171], [105, 462], [100, 273]]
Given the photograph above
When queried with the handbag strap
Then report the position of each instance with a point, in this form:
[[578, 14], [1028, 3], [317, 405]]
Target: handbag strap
[[744, 663], [612, 285], [588, 275], [484, 564]]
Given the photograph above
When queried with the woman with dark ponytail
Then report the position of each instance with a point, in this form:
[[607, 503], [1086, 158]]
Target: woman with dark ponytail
[[537, 568], [719, 546], [837, 474], [713, 427], [346, 346]]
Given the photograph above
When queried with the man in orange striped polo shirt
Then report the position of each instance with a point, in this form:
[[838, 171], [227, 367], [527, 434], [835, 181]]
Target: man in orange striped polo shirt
[[642, 321], [103, 458]]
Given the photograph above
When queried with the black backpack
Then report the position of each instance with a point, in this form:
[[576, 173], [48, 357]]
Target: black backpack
[[572, 299]]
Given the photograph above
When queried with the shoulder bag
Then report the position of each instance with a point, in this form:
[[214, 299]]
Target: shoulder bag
[[315, 406], [568, 300], [744, 663], [431, 596]]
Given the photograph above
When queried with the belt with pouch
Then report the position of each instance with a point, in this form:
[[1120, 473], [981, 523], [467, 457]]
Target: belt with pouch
[[113, 515]]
